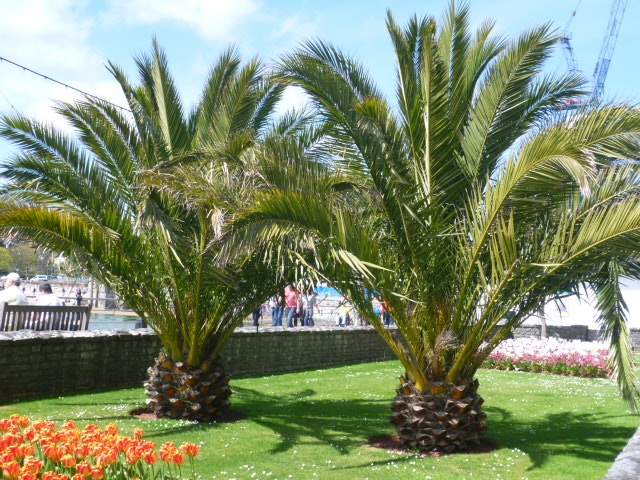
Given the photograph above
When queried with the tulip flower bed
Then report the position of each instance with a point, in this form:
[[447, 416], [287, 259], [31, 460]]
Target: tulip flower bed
[[39, 451], [551, 355]]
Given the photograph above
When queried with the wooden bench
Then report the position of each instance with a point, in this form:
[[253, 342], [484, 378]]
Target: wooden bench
[[40, 317]]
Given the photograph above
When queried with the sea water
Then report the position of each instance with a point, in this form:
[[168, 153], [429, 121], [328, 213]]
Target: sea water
[[112, 321]]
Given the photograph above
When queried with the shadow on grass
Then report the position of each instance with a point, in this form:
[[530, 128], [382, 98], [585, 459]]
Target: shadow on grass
[[296, 420], [577, 435], [347, 425]]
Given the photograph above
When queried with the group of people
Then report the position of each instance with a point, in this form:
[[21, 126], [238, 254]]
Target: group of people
[[293, 306], [13, 295]]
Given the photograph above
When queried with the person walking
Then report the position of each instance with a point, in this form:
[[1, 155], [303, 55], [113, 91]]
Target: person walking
[[12, 294], [309, 302], [386, 314], [291, 298], [257, 313], [277, 304]]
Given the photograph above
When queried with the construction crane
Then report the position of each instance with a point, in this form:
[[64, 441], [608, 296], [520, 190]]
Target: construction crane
[[608, 45], [566, 43], [606, 51]]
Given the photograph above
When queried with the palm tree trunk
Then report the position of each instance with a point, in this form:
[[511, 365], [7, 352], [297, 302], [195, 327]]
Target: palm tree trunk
[[176, 390], [446, 417]]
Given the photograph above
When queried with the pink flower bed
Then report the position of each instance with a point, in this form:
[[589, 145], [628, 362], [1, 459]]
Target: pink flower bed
[[551, 355]]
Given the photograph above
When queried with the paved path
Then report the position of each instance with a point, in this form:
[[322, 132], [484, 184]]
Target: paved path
[[627, 464]]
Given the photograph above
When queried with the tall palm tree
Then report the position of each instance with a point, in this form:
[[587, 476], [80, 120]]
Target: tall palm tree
[[139, 197], [464, 207]]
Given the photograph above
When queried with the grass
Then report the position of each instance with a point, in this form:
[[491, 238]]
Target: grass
[[315, 424]]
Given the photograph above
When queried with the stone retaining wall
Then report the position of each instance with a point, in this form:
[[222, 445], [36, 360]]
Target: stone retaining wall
[[569, 332], [34, 364]]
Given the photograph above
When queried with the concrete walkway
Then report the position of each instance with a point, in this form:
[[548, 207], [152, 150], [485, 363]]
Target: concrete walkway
[[627, 464]]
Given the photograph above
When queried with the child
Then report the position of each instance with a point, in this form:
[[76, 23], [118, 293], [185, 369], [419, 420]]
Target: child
[[343, 314]]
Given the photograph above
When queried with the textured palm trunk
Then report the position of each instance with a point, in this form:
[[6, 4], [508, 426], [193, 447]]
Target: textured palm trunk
[[445, 417], [175, 390]]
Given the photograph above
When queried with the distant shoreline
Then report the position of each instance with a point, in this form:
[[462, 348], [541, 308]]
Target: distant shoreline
[[111, 311]]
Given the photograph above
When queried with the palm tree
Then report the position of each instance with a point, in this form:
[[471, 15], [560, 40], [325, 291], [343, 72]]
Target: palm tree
[[140, 198], [467, 206]]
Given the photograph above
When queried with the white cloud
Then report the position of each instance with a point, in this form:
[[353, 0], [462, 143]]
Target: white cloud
[[53, 38], [293, 98], [55, 19], [296, 27], [49, 37], [49, 33], [211, 19]]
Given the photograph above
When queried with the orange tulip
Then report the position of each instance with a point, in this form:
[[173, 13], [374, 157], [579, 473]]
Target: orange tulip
[[82, 451], [53, 451], [150, 457], [97, 473], [11, 440], [54, 476], [167, 451], [107, 457], [69, 425], [24, 450], [68, 461], [27, 476], [20, 420], [125, 443], [32, 434], [32, 465], [190, 449], [134, 455], [177, 457], [7, 457], [84, 469], [5, 425], [11, 469]]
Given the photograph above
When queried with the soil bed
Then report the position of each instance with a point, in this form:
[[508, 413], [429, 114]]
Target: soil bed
[[394, 444], [230, 416]]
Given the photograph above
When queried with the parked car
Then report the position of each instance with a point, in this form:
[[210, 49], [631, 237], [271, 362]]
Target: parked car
[[40, 278]]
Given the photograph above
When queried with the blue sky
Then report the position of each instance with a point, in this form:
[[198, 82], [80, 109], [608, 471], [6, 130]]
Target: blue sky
[[70, 40]]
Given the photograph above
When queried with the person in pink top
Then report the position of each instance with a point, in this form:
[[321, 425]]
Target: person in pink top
[[291, 303]]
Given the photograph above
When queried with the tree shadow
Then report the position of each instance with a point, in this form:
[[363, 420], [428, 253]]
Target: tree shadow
[[345, 425], [565, 433], [340, 424]]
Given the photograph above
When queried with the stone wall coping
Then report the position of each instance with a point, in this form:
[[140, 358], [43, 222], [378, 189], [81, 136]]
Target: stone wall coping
[[627, 465], [32, 334]]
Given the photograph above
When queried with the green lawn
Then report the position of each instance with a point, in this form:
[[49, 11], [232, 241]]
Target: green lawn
[[315, 425]]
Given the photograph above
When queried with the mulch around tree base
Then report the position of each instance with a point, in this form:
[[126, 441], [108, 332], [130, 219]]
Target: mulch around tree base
[[394, 444], [229, 416]]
